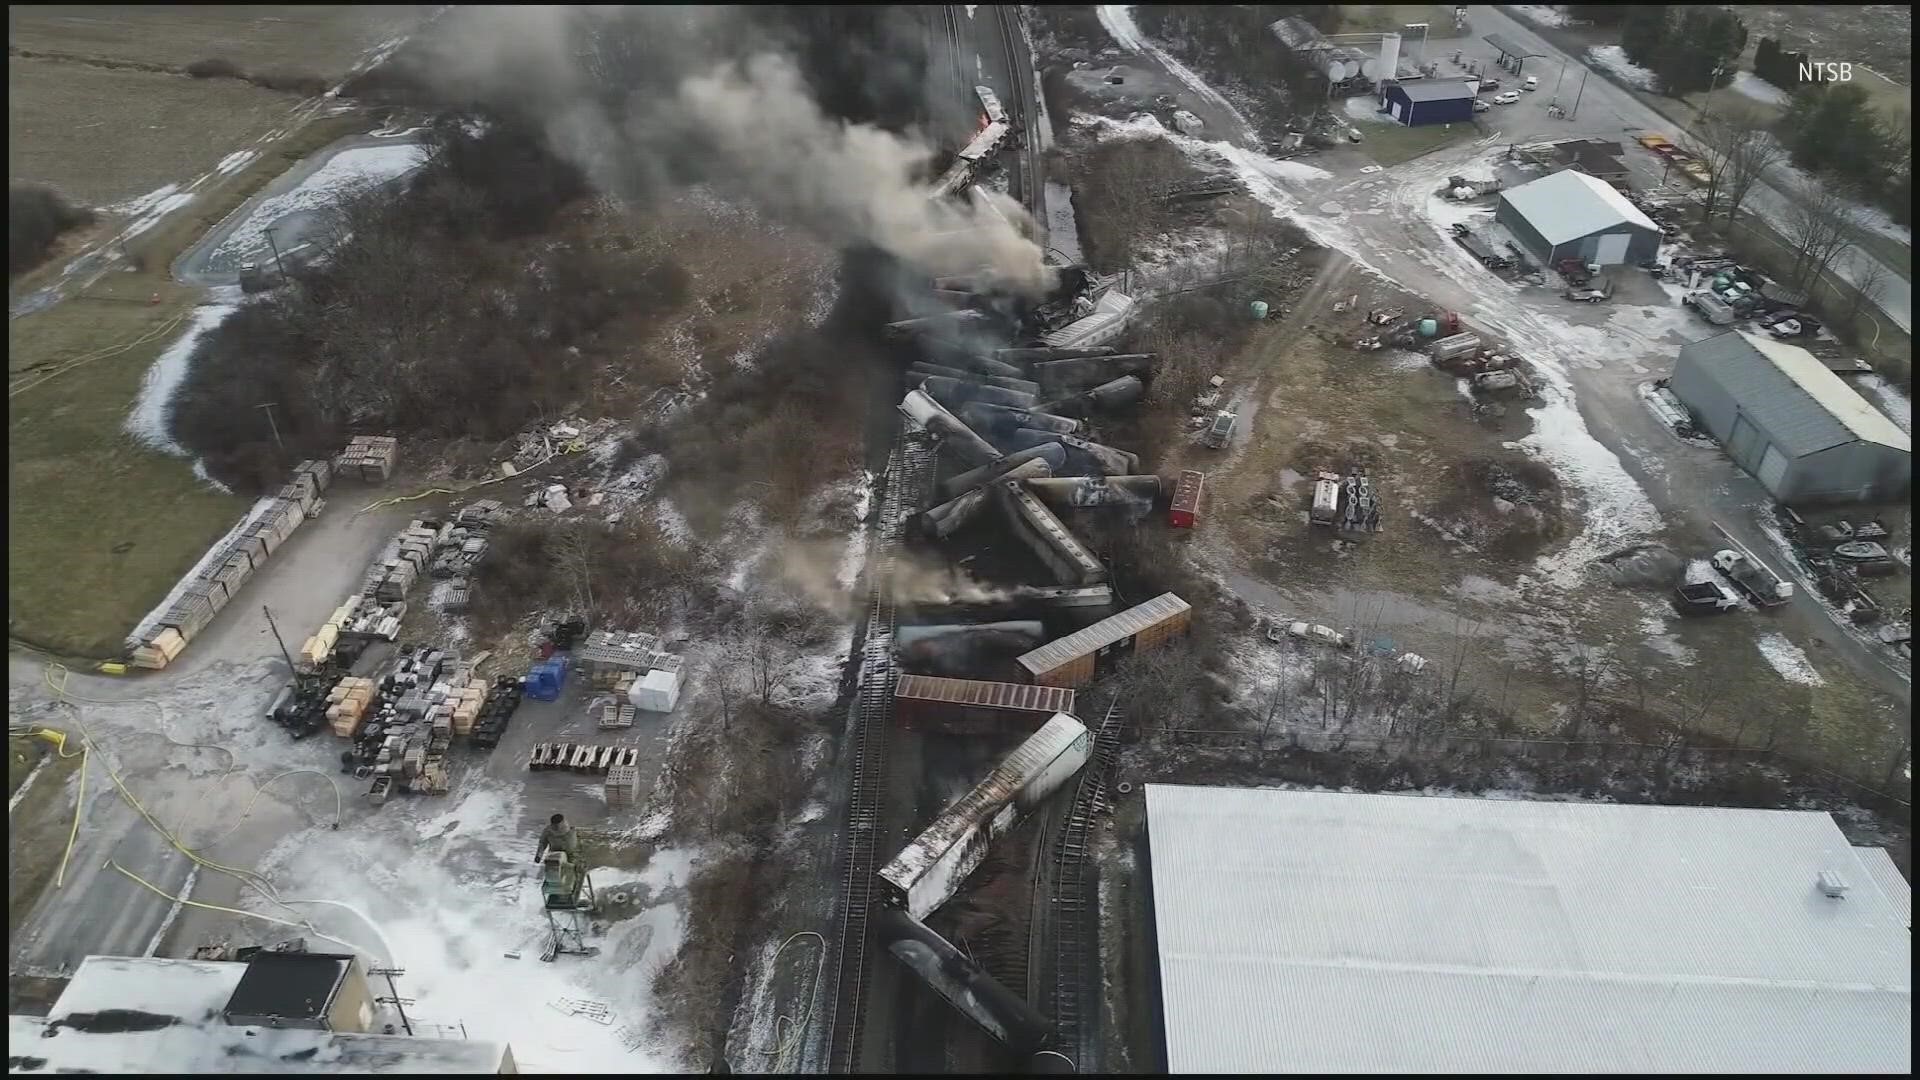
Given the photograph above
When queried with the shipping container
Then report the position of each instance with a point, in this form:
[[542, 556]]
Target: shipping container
[[969, 706], [1186, 500], [1077, 659], [927, 872]]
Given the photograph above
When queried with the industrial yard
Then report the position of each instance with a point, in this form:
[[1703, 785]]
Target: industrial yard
[[826, 540]]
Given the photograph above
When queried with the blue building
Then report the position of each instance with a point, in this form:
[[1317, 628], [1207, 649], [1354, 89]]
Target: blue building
[[1430, 101]]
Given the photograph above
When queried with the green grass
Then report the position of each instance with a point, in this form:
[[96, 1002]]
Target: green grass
[[1357, 18], [1392, 144], [101, 527]]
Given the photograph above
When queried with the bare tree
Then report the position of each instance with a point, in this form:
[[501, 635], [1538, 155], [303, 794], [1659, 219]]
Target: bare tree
[[724, 671], [1592, 666], [1751, 157], [573, 558], [1161, 687], [1869, 281], [1822, 222]]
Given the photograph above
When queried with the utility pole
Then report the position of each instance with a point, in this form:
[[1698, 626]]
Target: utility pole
[[271, 625], [1576, 97], [1557, 79], [273, 426], [276, 253]]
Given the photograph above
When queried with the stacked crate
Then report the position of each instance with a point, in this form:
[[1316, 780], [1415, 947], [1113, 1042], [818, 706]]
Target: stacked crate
[[160, 650], [462, 541], [608, 654], [468, 698], [623, 785], [369, 457], [392, 574], [320, 469], [303, 491], [614, 717], [347, 705]]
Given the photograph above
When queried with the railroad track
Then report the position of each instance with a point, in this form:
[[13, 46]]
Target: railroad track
[[962, 86], [1019, 78], [909, 467], [1074, 914]]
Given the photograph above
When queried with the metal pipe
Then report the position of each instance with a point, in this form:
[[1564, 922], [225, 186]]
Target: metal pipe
[[1119, 393], [989, 418], [1018, 385], [928, 413], [954, 393], [1052, 453]]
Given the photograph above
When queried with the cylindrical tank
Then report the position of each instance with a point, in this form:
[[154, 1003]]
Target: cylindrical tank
[[1000, 1012], [1091, 371], [1077, 492], [1083, 458], [1020, 385], [954, 393], [1337, 70], [1429, 327], [1052, 453], [1032, 628], [1259, 309], [949, 517], [987, 417], [963, 440], [1027, 356], [1110, 395]]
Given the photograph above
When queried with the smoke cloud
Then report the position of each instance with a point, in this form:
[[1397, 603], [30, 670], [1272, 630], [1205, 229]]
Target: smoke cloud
[[644, 100]]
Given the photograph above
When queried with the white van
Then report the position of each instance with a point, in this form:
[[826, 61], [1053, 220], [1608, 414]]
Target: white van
[[1531, 82]]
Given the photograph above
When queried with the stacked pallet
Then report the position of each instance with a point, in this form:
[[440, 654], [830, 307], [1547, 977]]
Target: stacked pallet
[[400, 563], [623, 785], [607, 654], [347, 705], [614, 717], [618, 680], [497, 711], [318, 649], [320, 469], [160, 650], [303, 490], [582, 757], [369, 457], [467, 698], [463, 541]]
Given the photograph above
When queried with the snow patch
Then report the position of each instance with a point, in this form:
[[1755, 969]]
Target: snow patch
[[343, 173], [1541, 14], [1118, 21], [855, 557], [1614, 59], [1653, 625], [672, 524], [152, 410], [236, 161], [1747, 84], [1891, 401], [1788, 659]]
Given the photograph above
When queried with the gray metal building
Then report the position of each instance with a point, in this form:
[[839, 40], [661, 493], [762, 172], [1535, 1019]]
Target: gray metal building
[[1781, 415], [1571, 215]]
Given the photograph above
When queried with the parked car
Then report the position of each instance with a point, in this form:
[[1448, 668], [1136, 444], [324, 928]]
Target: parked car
[[1319, 635], [1797, 326], [1481, 106], [1531, 82], [1506, 97], [1488, 85]]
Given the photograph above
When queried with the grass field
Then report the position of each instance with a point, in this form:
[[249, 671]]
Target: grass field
[[320, 38], [98, 106], [102, 527], [1391, 144]]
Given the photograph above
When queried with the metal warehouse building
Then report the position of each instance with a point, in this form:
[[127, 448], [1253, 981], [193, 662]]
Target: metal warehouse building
[[1802, 432], [1571, 215], [1317, 932], [1435, 101]]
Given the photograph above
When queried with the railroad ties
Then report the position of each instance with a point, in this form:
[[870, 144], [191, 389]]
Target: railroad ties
[[909, 470], [1074, 914]]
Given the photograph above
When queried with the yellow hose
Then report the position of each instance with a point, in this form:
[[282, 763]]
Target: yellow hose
[[60, 879], [574, 447], [308, 926], [253, 879], [783, 1046], [101, 354]]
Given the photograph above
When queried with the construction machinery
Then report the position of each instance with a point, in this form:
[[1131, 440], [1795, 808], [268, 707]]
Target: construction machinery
[[567, 893]]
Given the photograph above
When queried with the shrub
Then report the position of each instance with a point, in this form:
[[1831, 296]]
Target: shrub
[[304, 83], [36, 216], [215, 68]]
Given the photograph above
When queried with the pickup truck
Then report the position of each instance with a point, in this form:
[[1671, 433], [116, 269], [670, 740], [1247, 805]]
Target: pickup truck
[[1711, 308], [1705, 598], [1760, 585]]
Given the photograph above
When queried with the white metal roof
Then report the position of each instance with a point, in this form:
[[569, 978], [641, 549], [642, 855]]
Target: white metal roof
[[1886, 875], [1316, 931], [1570, 204], [1840, 401]]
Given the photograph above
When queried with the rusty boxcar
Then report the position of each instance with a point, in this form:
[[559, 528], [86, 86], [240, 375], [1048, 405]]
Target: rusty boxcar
[[1077, 659], [1185, 513], [967, 706]]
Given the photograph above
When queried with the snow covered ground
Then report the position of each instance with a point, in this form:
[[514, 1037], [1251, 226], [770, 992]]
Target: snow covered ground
[[1118, 21], [1787, 659], [1747, 84], [345, 172], [1541, 14], [1614, 59], [149, 421]]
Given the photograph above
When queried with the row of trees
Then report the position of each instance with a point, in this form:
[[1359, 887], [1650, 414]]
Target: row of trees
[[1834, 131], [1777, 65], [1685, 47]]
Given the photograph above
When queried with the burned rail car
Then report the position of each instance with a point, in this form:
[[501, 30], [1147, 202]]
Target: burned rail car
[[1080, 657], [971, 706]]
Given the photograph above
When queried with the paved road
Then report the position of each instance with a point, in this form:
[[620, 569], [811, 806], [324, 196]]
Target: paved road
[[1381, 218], [1896, 298], [213, 261]]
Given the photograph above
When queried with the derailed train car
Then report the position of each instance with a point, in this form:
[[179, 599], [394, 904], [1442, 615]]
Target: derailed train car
[[927, 872], [997, 1010]]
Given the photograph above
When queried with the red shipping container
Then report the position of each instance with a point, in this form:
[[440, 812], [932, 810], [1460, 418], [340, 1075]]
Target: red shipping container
[[1186, 500]]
